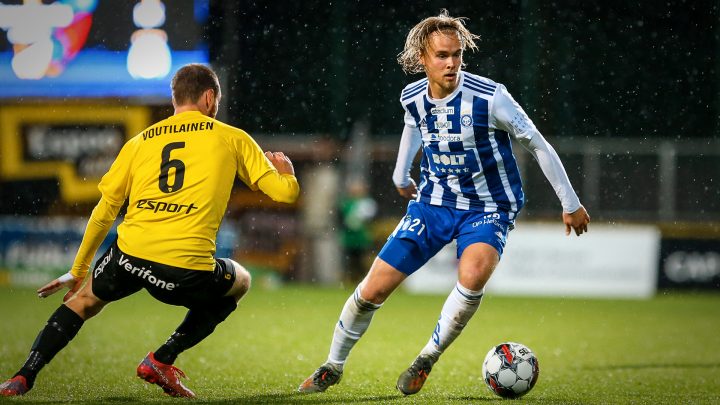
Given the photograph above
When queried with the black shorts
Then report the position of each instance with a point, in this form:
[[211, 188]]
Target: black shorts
[[117, 275]]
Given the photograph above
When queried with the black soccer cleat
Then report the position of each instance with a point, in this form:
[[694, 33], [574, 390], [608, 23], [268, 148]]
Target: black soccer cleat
[[412, 379], [325, 376]]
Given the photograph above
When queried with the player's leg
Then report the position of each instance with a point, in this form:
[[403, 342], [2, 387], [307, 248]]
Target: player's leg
[[242, 282], [481, 240], [410, 246], [231, 282], [476, 265], [61, 328], [355, 317], [224, 287]]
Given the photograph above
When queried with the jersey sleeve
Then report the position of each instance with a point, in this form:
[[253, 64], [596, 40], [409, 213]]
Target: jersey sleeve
[[508, 116], [115, 184], [280, 187], [252, 164], [98, 226], [410, 143], [409, 119]]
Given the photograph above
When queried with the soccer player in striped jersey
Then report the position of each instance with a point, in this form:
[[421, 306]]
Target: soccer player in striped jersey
[[470, 191], [176, 176]]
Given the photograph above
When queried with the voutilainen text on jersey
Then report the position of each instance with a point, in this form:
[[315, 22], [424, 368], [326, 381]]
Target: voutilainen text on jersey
[[171, 129]]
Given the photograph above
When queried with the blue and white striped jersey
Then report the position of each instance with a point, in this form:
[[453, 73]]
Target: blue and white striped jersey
[[467, 160]]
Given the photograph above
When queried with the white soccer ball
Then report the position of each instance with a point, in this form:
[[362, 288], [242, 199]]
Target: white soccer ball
[[510, 370]]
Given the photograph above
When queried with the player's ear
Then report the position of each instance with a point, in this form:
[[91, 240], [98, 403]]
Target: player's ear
[[421, 57], [209, 97]]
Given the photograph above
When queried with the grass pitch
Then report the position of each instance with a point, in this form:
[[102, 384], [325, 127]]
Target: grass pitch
[[660, 351]]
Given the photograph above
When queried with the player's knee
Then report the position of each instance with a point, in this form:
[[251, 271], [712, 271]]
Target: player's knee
[[243, 280], [85, 304]]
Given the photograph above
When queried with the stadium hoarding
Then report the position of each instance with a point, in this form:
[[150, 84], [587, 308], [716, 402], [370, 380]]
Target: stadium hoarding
[[690, 263], [34, 250], [610, 261], [76, 143]]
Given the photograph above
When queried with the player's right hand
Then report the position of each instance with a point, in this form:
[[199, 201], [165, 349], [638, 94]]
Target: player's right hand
[[281, 162], [409, 191], [66, 280]]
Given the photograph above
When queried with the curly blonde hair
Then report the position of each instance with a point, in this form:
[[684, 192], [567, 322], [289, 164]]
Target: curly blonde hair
[[419, 37]]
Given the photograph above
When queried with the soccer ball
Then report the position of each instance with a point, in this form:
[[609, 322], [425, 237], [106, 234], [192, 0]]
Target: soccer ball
[[510, 370]]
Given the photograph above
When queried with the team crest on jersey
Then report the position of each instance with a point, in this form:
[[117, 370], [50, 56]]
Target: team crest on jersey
[[466, 120], [423, 123]]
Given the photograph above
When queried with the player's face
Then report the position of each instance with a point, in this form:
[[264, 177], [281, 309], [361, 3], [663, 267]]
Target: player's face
[[442, 60]]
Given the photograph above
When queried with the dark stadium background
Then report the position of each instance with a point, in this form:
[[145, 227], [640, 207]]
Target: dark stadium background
[[627, 92], [612, 69]]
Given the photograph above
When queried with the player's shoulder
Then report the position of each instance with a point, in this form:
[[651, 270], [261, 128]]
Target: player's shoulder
[[226, 129], [479, 84], [413, 89]]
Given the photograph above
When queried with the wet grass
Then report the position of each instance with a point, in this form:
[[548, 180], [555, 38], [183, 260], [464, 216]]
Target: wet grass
[[660, 351]]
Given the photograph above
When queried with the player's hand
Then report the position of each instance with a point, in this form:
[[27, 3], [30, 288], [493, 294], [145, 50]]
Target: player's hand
[[281, 162], [409, 192], [66, 280], [577, 221]]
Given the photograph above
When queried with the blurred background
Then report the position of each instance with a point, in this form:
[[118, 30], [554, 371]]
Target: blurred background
[[627, 92]]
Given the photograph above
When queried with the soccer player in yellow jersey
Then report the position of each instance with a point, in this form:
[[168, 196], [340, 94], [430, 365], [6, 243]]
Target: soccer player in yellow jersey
[[176, 176]]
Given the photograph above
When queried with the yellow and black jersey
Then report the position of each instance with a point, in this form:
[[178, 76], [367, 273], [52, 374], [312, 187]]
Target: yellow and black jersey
[[177, 176]]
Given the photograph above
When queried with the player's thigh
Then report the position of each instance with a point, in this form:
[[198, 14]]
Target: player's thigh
[[241, 284], [423, 231], [84, 302], [196, 288], [381, 281], [110, 280], [477, 263], [481, 240]]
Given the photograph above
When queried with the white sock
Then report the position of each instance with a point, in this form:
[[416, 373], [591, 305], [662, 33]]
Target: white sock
[[459, 307], [354, 320]]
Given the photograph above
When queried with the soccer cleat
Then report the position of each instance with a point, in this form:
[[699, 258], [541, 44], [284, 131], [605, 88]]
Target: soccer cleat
[[164, 375], [325, 376], [14, 387], [412, 379]]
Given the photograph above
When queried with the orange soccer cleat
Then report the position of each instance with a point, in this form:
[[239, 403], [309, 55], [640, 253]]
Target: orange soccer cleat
[[166, 376], [14, 387]]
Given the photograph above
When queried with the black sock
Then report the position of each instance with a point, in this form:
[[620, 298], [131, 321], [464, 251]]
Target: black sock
[[62, 326], [198, 324]]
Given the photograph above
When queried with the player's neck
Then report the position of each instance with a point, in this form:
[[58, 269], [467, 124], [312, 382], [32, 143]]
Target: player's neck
[[189, 107], [437, 91]]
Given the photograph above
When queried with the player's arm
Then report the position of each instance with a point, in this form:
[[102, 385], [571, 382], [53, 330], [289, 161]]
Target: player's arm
[[410, 143], [511, 117], [98, 226], [271, 173], [281, 184], [114, 188]]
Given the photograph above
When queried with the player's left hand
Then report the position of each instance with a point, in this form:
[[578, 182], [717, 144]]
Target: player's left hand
[[409, 191], [577, 221], [281, 162], [66, 280]]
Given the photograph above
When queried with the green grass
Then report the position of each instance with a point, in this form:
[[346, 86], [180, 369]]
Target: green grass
[[660, 351]]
